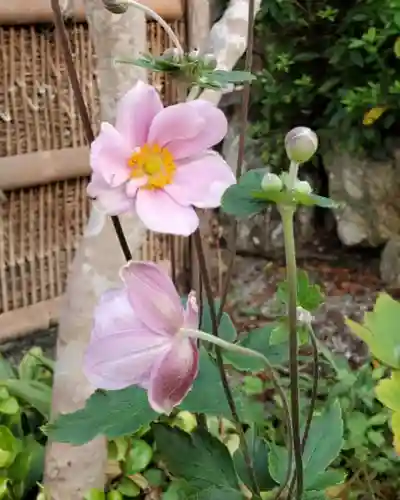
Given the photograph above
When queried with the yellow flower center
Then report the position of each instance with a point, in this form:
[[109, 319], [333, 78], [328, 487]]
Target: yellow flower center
[[154, 162]]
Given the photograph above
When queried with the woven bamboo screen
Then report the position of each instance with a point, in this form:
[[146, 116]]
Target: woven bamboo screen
[[40, 226]]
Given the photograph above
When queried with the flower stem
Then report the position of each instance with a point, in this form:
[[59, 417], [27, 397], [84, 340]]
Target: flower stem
[[159, 19], [223, 344], [287, 214], [205, 280], [87, 126], [293, 171]]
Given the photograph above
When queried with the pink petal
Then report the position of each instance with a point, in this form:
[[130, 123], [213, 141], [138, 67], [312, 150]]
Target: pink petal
[[124, 358], [213, 129], [135, 113], [173, 376], [202, 181], [114, 313], [153, 296], [122, 349], [109, 155], [160, 213], [133, 185], [112, 201], [175, 123], [191, 314]]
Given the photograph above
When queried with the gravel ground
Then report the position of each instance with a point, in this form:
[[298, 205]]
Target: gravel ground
[[350, 282]]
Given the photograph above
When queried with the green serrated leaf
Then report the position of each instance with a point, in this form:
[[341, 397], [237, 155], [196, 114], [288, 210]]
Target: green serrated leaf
[[259, 451], [207, 395], [380, 330], [310, 200], [238, 199], [324, 442], [388, 391], [309, 296], [226, 330], [199, 458], [108, 413], [257, 340], [323, 446], [117, 413]]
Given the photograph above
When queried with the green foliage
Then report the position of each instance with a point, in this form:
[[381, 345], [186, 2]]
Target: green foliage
[[259, 340], [380, 330], [259, 451], [25, 397], [330, 66], [226, 329], [199, 458], [247, 197], [118, 413], [192, 69], [309, 296], [322, 447]]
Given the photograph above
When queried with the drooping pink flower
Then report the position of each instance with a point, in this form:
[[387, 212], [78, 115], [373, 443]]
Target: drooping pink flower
[[138, 338], [158, 161]]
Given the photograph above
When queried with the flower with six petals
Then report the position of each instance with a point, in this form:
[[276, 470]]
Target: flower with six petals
[[138, 338], [158, 162]]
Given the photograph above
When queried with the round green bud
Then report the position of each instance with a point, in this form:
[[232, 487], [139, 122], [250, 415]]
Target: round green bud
[[301, 143], [115, 7], [210, 61], [193, 55], [303, 187], [171, 54], [271, 182]]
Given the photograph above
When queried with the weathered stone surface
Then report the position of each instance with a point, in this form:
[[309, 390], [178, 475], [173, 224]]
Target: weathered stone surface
[[369, 191], [390, 263]]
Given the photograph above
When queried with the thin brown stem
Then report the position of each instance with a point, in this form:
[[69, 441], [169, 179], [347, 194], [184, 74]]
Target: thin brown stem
[[314, 390], [241, 148], [205, 279], [172, 256], [83, 112]]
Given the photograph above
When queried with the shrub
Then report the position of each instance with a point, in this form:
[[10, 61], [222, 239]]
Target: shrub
[[331, 65]]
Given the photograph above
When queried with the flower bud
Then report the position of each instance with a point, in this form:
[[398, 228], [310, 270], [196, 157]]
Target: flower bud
[[115, 7], [304, 317], [271, 182], [303, 187], [301, 143], [193, 55], [210, 61], [171, 54]]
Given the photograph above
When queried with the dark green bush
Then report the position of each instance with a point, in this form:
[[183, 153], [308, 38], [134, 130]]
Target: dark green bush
[[328, 64]]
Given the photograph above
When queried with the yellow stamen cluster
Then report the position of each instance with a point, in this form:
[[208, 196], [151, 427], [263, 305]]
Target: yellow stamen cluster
[[154, 162]]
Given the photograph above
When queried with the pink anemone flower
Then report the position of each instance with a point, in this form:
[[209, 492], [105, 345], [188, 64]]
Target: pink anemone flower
[[138, 338], [158, 162]]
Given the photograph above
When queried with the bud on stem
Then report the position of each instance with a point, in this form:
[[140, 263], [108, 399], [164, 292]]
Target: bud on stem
[[301, 143], [115, 7]]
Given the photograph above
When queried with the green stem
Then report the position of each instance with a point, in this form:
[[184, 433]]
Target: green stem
[[223, 344], [228, 346], [287, 214]]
